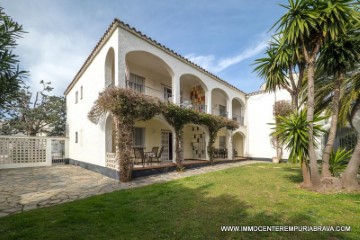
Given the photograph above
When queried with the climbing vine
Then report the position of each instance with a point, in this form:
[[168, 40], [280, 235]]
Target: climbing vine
[[127, 106]]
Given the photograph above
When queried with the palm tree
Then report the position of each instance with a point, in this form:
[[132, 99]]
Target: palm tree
[[293, 133], [351, 110], [308, 25], [278, 69], [336, 58]]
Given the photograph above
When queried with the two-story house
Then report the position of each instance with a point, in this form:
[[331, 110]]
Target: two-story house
[[126, 58]]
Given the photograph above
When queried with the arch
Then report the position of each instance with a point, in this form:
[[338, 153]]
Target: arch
[[238, 110], [110, 68], [238, 144], [148, 74], [193, 92], [219, 102], [109, 135], [149, 61], [191, 79], [156, 132]]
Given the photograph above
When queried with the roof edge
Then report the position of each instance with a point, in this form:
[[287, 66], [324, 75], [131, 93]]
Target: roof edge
[[118, 23]]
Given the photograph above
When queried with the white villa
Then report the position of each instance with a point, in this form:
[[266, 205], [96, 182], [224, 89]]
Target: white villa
[[126, 58]]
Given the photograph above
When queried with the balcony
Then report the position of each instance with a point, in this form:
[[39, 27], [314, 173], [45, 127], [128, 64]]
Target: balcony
[[239, 119], [197, 107], [149, 91], [219, 111]]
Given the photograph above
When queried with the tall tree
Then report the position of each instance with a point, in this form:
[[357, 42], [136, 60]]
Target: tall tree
[[351, 110], [308, 25], [10, 75], [43, 114], [282, 68], [337, 57]]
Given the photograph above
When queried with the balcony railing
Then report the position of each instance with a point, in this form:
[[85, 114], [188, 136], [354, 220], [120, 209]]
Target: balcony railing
[[219, 112], [186, 103], [141, 88], [239, 119]]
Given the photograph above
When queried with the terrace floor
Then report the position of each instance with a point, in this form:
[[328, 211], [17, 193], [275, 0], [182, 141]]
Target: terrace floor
[[24, 189]]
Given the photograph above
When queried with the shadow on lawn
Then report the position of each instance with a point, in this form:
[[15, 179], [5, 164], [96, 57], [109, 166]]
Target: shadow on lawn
[[171, 210], [294, 174]]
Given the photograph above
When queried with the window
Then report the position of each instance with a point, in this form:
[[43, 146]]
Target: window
[[222, 110], [136, 83], [167, 94], [139, 137], [222, 141], [76, 96], [76, 137], [81, 92]]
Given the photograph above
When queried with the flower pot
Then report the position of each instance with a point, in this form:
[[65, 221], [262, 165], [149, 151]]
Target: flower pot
[[275, 160]]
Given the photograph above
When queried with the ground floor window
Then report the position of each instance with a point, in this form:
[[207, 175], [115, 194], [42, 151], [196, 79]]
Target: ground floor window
[[222, 141], [139, 137]]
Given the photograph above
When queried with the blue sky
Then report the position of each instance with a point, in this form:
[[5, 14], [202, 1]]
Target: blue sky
[[224, 37]]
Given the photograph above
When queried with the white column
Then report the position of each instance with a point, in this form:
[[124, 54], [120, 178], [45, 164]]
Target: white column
[[208, 101], [229, 108], [120, 62], [175, 89], [229, 144]]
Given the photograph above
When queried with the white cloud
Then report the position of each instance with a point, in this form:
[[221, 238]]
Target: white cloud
[[54, 46], [210, 63], [52, 57]]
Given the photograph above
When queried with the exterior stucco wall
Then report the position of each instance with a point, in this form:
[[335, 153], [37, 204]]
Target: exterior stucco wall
[[259, 114], [91, 137]]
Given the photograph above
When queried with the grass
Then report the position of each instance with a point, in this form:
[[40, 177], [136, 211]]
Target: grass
[[195, 208]]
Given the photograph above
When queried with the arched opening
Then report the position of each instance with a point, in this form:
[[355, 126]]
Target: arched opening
[[238, 144], [110, 68], [109, 135], [222, 145], [193, 93], [149, 74], [238, 110], [155, 132], [110, 143], [195, 139], [219, 100]]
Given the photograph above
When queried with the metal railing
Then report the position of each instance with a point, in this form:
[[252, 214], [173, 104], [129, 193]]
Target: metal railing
[[186, 103], [142, 88], [219, 112], [239, 119]]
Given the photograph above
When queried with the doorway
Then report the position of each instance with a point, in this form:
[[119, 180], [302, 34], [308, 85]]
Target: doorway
[[167, 143]]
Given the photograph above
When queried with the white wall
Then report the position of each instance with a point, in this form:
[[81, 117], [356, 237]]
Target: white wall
[[259, 114], [91, 145]]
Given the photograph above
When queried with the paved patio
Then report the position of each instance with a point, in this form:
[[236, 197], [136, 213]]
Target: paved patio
[[30, 188]]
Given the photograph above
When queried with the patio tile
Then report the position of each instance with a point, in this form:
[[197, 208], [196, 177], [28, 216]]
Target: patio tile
[[30, 188]]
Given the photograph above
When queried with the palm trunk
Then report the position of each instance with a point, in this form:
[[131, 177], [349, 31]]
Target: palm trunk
[[314, 173], [325, 172], [349, 178], [124, 144], [305, 174]]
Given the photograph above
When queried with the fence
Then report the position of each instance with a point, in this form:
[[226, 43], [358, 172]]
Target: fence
[[19, 151]]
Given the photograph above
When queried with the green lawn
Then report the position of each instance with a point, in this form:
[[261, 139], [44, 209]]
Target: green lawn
[[195, 208]]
